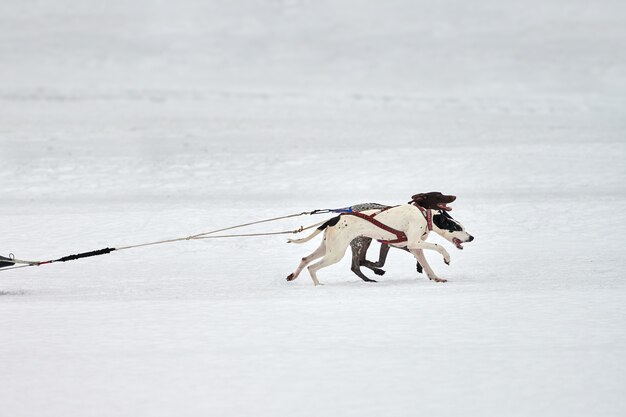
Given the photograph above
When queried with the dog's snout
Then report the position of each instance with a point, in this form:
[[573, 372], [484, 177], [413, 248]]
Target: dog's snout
[[471, 238]]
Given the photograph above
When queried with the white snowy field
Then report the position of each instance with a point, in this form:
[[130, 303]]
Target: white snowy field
[[138, 121]]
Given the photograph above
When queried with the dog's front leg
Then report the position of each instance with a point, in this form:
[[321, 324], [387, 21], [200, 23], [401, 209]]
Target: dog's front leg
[[419, 244], [416, 246], [421, 259]]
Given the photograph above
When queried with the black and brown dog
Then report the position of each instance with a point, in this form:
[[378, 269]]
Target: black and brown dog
[[433, 200]]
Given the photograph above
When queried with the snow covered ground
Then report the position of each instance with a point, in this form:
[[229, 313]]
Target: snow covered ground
[[124, 122]]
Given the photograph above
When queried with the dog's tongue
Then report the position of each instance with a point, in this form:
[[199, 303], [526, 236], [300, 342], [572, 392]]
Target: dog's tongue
[[444, 206]]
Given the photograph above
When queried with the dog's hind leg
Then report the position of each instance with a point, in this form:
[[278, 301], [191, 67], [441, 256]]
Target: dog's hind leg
[[318, 253], [359, 249], [382, 258], [357, 270], [333, 255]]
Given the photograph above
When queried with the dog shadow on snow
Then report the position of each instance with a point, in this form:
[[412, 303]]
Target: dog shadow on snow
[[357, 284]]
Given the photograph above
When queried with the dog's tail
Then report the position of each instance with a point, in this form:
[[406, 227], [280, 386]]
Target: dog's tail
[[305, 239], [319, 230]]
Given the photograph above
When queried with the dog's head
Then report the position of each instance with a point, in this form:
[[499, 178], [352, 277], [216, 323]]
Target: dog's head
[[433, 200], [450, 229]]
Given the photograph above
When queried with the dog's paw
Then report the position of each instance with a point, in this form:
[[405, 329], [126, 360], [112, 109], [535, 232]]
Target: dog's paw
[[369, 280], [291, 277], [380, 272], [446, 257], [436, 279]]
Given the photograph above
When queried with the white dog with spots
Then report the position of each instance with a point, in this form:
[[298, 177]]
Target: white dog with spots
[[407, 219]]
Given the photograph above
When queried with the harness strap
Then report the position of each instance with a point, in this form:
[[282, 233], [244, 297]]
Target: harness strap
[[400, 236], [428, 215]]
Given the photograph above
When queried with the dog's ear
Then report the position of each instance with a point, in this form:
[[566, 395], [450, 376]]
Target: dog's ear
[[417, 198]]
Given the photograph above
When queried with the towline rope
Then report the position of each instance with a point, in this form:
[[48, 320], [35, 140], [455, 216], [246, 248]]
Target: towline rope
[[6, 264]]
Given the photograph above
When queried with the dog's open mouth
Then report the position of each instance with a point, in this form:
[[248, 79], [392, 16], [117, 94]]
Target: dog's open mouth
[[444, 206], [457, 243]]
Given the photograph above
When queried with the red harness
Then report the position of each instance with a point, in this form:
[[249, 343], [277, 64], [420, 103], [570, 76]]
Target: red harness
[[400, 236], [428, 215]]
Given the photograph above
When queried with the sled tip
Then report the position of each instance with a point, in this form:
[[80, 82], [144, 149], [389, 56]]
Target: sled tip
[[4, 262]]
